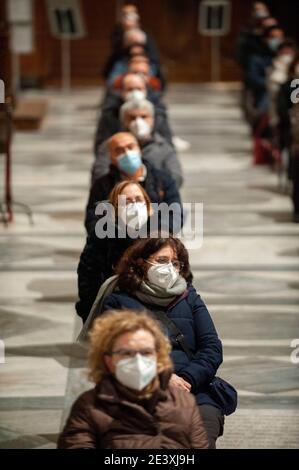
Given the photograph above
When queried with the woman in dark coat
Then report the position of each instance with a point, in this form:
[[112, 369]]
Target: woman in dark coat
[[155, 274], [100, 255], [133, 405]]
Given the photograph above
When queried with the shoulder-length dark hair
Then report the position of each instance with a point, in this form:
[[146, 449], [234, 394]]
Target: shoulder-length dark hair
[[132, 267]]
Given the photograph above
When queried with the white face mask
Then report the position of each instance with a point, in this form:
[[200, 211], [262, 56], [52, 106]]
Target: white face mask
[[162, 275], [261, 14], [140, 128], [136, 372], [286, 59], [131, 17], [134, 214], [135, 95]]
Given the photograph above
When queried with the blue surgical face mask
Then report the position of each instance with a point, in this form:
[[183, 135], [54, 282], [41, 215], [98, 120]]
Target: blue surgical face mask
[[274, 43], [129, 162]]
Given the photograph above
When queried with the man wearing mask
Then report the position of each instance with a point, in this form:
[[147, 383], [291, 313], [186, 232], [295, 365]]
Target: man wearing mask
[[258, 65], [137, 116], [260, 10], [278, 75], [251, 42], [250, 39], [133, 87], [135, 46], [126, 164], [122, 38]]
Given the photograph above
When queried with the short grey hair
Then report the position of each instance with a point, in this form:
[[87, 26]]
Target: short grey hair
[[136, 104]]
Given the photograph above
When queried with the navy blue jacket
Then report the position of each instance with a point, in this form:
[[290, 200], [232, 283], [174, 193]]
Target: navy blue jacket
[[192, 318], [257, 78]]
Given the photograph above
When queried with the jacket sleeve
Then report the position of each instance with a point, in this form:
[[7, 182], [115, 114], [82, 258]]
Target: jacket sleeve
[[96, 194], [173, 166], [89, 275], [172, 195], [111, 303], [101, 163], [79, 431], [108, 125], [162, 123], [198, 435], [208, 357]]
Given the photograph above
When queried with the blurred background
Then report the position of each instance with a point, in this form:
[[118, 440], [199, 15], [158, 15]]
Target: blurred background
[[184, 52]]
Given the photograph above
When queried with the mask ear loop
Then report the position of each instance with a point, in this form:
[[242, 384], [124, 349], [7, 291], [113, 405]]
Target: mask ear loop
[[150, 262]]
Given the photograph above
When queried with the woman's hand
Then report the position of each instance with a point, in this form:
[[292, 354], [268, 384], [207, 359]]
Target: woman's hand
[[179, 382]]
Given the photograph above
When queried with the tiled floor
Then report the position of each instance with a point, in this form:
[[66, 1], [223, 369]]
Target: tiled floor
[[247, 269]]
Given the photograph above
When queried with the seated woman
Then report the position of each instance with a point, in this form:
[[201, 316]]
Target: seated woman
[[100, 255], [154, 274], [133, 405]]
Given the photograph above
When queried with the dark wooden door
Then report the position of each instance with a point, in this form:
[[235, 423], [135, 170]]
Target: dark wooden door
[[185, 53]]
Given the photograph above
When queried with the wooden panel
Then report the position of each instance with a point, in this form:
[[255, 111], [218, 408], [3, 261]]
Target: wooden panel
[[185, 53], [88, 55]]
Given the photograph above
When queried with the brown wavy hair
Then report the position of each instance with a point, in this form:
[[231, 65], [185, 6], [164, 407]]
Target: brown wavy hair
[[113, 324], [132, 267]]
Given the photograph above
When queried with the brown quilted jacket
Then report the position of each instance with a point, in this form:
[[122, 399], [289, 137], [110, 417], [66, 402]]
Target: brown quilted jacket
[[106, 418]]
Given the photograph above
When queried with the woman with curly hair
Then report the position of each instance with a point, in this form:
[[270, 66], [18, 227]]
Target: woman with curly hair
[[133, 405], [154, 274]]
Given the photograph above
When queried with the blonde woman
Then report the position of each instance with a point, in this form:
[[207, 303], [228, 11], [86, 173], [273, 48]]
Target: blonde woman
[[133, 405]]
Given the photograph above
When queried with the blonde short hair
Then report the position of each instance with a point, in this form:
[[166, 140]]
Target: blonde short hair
[[113, 324]]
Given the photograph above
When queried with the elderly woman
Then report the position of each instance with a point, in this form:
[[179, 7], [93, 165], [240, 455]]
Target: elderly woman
[[154, 274], [101, 251], [133, 405]]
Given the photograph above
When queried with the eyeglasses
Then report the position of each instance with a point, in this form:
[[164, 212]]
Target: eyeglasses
[[164, 260], [129, 353], [138, 199]]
